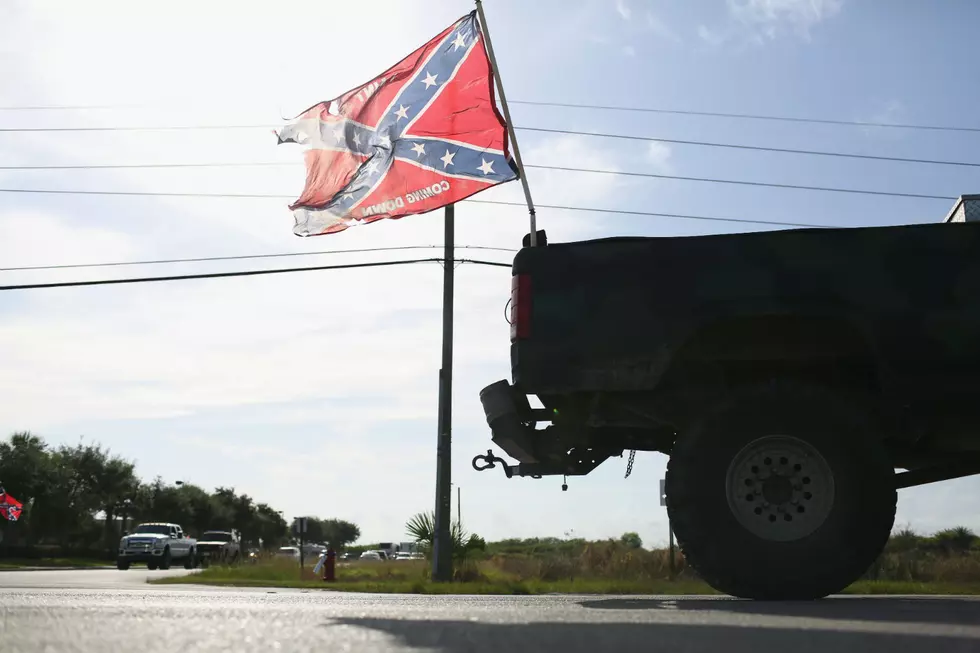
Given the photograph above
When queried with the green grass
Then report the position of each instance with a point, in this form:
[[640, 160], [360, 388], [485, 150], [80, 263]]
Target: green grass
[[488, 578], [19, 563], [426, 586], [911, 587]]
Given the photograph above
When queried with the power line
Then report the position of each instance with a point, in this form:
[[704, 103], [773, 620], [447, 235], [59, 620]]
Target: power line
[[239, 273], [711, 180], [568, 132], [758, 148], [751, 116], [244, 257], [598, 107], [680, 216], [649, 175], [474, 201]]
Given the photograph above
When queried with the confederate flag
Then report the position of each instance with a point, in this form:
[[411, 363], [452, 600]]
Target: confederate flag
[[424, 134], [10, 507]]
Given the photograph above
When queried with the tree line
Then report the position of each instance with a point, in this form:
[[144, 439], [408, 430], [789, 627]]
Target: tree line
[[82, 497]]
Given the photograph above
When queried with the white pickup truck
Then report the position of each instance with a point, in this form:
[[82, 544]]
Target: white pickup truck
[[158, 545]]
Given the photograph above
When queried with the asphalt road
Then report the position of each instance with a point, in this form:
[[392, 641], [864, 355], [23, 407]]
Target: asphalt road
[[116, 612]]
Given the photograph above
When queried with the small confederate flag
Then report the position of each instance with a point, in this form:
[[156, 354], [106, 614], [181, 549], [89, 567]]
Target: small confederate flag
[[10, 507], [424, 134]]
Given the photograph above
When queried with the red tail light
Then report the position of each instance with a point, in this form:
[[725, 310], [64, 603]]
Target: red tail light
[[520, 306]]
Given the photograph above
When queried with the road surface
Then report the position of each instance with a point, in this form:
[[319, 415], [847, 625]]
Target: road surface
[[113, 611]]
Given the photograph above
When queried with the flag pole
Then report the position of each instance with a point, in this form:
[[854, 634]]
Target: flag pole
[[442, 542], [510, 126]]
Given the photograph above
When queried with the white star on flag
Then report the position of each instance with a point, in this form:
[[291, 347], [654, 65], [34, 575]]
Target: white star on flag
[[486, 168], [419, 149], [402, 112], [447, 159], [385, 140], [459, 42], [338, 134], [356, 139], [430, 80]]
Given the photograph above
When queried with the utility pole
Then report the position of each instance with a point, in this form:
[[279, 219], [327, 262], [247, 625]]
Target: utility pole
[[459, 506], [442, 549]]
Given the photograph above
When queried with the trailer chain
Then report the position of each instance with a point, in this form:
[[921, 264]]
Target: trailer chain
[[629, 465]]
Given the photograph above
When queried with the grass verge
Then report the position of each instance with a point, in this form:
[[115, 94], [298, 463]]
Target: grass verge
[[412, 578]]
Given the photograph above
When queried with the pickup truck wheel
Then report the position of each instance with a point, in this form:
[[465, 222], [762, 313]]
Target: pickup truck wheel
[[122, 565], [782, 491], [165, 560], [191, 560], [152, 566]]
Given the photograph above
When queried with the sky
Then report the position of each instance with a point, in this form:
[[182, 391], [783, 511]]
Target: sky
[[316, 392]]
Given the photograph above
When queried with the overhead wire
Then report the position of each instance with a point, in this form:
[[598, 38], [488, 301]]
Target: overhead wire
[[711, 180], [545, 130], [474, 201], [238, 273], [244, 257], [596, 107]]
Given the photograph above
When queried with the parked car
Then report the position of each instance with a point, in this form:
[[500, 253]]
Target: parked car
[[372, 555], [288, 552]]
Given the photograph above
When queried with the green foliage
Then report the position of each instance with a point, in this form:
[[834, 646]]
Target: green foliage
[[631, 540], [421, 528], [74, 496]]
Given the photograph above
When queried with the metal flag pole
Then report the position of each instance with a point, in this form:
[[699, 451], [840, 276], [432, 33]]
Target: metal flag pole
[[510, 126], [442, 541]]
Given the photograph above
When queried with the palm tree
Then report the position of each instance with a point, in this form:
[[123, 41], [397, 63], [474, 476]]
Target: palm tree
[[421, 528]]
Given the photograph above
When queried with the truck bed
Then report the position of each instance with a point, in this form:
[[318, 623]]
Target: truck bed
[[611, 314]]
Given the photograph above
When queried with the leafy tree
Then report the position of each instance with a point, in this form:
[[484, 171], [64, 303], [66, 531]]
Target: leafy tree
[[25, 468], [632, 540], [339, 533], [955, 540], [272, 529]]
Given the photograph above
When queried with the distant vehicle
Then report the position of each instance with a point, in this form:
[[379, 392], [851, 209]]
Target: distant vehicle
[[288, 552], [373, 555], [219, 547], [157, 544], [405, 555]]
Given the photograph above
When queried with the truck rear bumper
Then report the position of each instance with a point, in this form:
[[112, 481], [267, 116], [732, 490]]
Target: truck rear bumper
[[508, 414]]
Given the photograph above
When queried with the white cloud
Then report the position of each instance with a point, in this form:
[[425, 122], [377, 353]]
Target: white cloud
[[758, 21], [711, 37], [659, 155], [656, 25], [623, 10]]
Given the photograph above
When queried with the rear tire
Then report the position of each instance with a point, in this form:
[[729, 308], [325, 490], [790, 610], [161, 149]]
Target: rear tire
[[152, 566], [165, 561], [781, 492], [190, 561], [122, 566]]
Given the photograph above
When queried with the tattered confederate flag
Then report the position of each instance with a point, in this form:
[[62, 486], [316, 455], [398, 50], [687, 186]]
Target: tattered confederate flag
[[424, 134], [10, 507]]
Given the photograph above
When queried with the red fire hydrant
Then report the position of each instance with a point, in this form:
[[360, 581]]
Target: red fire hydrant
[[330, 565]]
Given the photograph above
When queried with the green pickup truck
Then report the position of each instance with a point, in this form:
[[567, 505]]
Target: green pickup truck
[[796, 379]]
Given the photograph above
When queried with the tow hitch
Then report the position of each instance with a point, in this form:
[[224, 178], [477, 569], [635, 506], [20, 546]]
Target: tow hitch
[[489, 461]]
